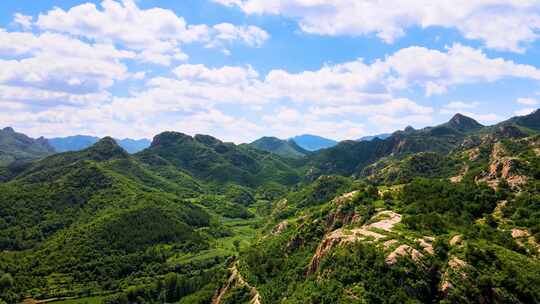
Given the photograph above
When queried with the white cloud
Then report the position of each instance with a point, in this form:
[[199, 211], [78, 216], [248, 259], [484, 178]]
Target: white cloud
[[156, 34], [250, 35], [24, 21], [458, 105], [525, 111], [483, 118], [500, 24], [528, 101], [458, 65], [57, 68], [454, 107]]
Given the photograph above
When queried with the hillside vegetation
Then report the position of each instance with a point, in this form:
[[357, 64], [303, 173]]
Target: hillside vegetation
[[445, 214]]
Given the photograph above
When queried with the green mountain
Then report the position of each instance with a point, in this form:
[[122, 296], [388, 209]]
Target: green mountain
[[285, 148], [351, 157], [214, 161], [530, 122], [313, 142], [460, 226], [94, 217], [17, 147], [80, 142], [445, 214]]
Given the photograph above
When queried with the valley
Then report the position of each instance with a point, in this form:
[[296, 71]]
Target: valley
[[444, 214]]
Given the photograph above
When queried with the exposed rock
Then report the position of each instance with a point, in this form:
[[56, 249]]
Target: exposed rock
[[456, 240], [236, 280], [390, 220], [426, 246], [503, 167], [342, 236], [343, 198], [474, 154], [280, 227], [456, 263], [458, 178], [339, 237], [401, 251], [520, 233]]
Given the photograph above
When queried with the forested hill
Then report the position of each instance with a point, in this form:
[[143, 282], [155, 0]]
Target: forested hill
[[445, 214], [285, 148], [455, 223], [351, 157], [214, 161], [17, 147]]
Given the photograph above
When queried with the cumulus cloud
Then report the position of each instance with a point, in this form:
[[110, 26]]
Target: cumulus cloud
[[523, 112], [24, 21], [528, 101], [156, 34], [55, 68], [336, 100], [438, 70], [500, 24]]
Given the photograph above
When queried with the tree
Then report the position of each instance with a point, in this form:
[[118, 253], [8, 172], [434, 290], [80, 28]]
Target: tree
[[6, 281]]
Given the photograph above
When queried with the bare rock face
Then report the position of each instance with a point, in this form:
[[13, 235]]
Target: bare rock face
[[455, 265], [280, 228], [456, 240], [388, 219], [401, 251], [503, 166], [236, 280]]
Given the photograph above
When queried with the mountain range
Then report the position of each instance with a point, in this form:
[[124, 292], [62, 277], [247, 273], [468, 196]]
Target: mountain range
[[444, 214], [80, 142]]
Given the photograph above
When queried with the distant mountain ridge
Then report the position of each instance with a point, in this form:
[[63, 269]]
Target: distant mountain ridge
[[351, 157], [372, 137], [285, 148], [80, 142], [313, 142], [19, 147]]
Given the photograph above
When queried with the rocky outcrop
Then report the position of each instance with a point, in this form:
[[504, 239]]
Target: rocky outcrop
[[401, 251], [387, 220], [503, 167], [236, 280], [280, 227], [454, 265]]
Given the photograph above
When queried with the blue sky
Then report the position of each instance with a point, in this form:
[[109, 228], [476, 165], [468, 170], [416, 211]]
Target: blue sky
[[241, 69]]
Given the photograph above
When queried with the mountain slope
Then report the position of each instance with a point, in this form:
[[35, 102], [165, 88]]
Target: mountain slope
[[19, 147], [529, 122], [473, 239], [285, 148], [93, 217], [80, 142], [212, 160], [313, 142], [351, 157]]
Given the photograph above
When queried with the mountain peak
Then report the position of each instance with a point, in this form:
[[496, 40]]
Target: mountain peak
[[313, 142], [463, 123], [286, 148], [8, 129], [169, 137], [409, 129], [106, 148]]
